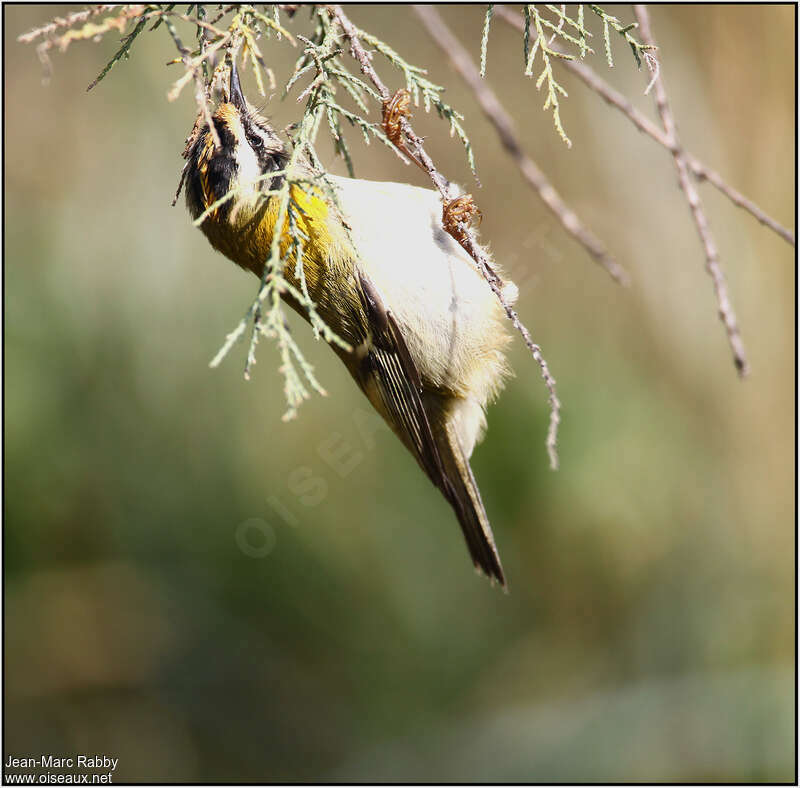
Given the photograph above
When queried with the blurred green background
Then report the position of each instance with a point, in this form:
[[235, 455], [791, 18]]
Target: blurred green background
[[194, 587]]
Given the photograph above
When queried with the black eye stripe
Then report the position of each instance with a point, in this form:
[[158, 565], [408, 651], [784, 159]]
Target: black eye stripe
[[255, 133]]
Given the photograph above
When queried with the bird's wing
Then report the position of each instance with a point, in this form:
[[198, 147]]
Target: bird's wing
[[388, 370], [388, 366]]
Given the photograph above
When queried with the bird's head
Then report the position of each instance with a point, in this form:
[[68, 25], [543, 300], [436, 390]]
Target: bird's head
[[248, 149]]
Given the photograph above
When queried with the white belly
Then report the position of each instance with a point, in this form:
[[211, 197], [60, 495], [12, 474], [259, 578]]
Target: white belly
[[452, 322]]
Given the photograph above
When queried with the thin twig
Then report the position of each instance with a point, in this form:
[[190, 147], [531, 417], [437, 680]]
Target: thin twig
[[200, 24], [122, 52], [465, 236], [64, 22], [504, 126], [193, 72], [699, 170], [703, 173], [726, 312], [613, 97]]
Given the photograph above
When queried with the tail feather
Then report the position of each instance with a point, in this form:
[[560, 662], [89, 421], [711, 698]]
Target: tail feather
[[461, 490]]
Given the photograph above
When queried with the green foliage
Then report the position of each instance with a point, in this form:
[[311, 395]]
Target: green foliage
[[561, 36], [418, 86], [485, 37], [123, 51], [636, 46], [540, 23]]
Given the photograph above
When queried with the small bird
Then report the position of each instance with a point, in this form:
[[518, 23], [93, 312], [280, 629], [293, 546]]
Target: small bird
[[426, 331]]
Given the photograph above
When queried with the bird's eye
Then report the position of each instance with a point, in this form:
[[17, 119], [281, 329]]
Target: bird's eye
[[255, 141]]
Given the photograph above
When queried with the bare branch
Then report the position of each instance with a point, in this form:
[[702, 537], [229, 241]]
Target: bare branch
[[703, 173], [504, 126], [463, 234], [644, 124], [64, 22], [726, 312]]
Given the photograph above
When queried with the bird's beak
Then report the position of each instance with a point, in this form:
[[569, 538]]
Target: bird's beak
[[236, 96]]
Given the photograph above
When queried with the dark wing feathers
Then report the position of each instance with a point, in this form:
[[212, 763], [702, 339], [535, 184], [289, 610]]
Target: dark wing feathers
[[395, 374], [389, 366]]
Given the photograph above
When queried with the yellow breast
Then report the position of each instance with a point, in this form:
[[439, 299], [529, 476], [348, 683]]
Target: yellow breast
[[245, 233]]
